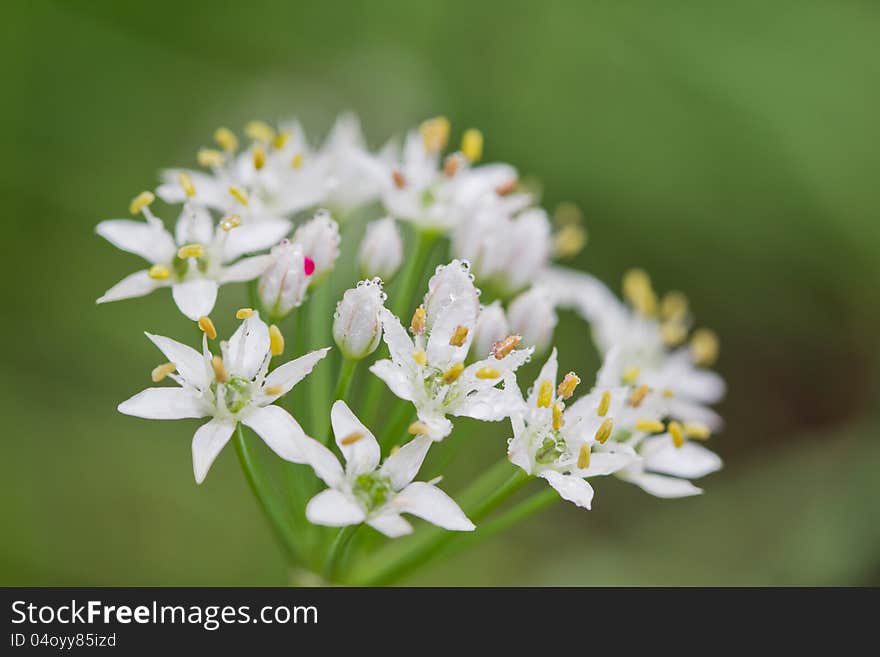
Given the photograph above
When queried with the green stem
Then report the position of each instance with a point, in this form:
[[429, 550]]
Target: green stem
[[414, 268], [319, 380], [397, 423], [337, 551], [266, 497], [346, 374]]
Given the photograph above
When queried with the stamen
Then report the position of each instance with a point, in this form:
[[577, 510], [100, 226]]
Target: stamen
[[161, 371], [630, 375], [569, 383], [677, 433], [208, 327], [435, 134], [569, 241], [259, 157], [259, 131], [232, 221], [419, 321], [399, 179], [704, 347], [297, 161], [451, 375], [208, 157], [603, 433], [219, 368], [459, 335], [638, 395], [507, 187], [276, 341], [194, 250], [488, 373], [674, 306], [673, 332], [273, 390], [280, 140], [394, 450], [451, 165], [238, 194], [141, 201], [638, 291], [418, 429], [558, 420], [420, 357], [352, 438], [697, 431], [584, 457], [186, 182], [649, 426], [545, 393], [505, 346], [159, 272], [226, 139], [667, 393], [244, 313], [604, 404], [472, 144]]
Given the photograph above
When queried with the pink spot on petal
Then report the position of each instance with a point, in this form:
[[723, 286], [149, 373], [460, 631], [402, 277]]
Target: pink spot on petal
[[309, 266]]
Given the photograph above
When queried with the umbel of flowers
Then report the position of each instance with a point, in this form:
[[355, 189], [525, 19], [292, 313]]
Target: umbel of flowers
[[402, 240]]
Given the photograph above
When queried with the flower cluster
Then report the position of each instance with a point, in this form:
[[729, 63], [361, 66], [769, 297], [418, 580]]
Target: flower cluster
[[280, 213]]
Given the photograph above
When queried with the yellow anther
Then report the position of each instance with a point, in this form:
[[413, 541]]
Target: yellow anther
[[472, 144], [638, 291], [435, 133], [667, 393], [459, 335], [630, 375], [420, 357], [394, 450], [226, 139], [451, 375], [260, 131], [244, 313], [259, 156], [220, 373], [697, 431], [637, 396], [604, 404], [208, 327], [567, 214], [704, 347], [569, 382], [505, 346], [273, 390], [209, 157], [232, 221], [352, 438], [649, 426], [569, 241], [451, 165], [194, 250], [297, 160], [674, 306], [398, 179], [238, 194], [584, 457], [161, 371], [545, 393], [280, 140], [276, 341], [558, 420], [159, 272], [419, 321], [673, 332], [603, 433], [141, 201], [488, 373], [507, 187], [677, 433], [186, 182], [418, 429]]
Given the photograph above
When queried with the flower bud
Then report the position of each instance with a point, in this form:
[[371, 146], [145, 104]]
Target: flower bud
[[356, 326], [381, 250], [452, 283], [283, 285], [319, 239], [491, 327], [533, 316]]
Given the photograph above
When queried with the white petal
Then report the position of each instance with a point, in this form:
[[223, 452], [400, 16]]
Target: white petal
[[248, 347], [606, 463], [164, 404], [362, 455], [518, 449], [432, 504], [571, 488], [438, 425], [394, 377], [399, 343], [334, 509], [393, 525], [137, 284], [404, 464], [489, 405], [254, 236], [690, 461], [191, 364], [323, 462], [246, 269], [692, 412], [288, 375], [280, 431], [195, 298], [661, 485], [441, 354], [194, 226], [150, 241], [207, 442]]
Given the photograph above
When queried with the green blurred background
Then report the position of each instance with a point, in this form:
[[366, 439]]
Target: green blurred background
[[729, 148]]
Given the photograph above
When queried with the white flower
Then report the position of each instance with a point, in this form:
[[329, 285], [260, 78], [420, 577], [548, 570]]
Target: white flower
[[231, 388], [532, 315], [284, 283], [381, 251], [319, 239], [356, 325], [428, 369], [367, 492], [565, 446], [491, 327], [194, 262]]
